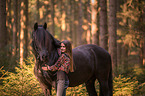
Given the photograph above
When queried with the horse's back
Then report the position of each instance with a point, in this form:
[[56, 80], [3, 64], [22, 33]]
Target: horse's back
[[97, 49], [91, 49]]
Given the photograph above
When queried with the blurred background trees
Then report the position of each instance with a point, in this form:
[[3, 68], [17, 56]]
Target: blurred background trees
[[115, 25]]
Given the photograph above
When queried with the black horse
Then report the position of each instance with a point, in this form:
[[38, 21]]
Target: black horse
[[91, 63]]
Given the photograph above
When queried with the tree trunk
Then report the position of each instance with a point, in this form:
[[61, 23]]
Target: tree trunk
[[144, 39], [38, 14], [23, 29], [142, 34], [124, 57], [71, 20], [119, 45], [74, 22], [52, 17], [94, 28], [103, 40], [9, 22], [141, 52], [26, 29], [144, 52], [89, 35], [80, 21], [67, 19], [63, 22], [3, 31], [59, 17], [15, 28], [112, 33]]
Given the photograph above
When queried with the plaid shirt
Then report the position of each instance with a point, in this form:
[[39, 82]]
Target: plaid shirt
[[63, 64]]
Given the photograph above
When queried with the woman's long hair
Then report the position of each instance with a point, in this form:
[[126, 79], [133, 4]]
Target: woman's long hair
[[69, 52]]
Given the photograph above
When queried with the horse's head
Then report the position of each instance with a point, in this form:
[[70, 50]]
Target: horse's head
[[43, 42]]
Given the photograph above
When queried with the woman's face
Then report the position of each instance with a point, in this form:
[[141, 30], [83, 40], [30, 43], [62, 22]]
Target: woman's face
[[63, 48]]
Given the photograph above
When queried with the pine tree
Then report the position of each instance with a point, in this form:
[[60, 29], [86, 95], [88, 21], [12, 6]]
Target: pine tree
[[103, 38]]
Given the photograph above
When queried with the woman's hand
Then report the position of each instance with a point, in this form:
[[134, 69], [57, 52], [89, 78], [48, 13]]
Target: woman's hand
[[46, 68]]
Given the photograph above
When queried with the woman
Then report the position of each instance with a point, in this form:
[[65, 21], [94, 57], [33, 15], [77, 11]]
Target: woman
[[63, 65]]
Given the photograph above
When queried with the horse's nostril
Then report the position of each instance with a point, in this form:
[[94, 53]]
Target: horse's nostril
[[43, 57]]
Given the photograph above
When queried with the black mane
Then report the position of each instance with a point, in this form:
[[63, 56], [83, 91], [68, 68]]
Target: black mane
[[40, 34]]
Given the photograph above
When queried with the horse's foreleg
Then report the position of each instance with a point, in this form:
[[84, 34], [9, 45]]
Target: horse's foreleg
[[46, 88], [91, 88], [47, 92]]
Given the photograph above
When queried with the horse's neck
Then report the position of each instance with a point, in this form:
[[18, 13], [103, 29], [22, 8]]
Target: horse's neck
[[53, 57]]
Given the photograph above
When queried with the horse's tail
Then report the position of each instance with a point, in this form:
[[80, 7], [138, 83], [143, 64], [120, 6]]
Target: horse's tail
[[110, 80]]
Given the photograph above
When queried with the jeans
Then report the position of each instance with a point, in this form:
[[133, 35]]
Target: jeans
[[62, 84], [65, 87]]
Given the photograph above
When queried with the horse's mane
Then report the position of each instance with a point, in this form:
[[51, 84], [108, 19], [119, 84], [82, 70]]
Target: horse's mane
[[56, 44], [41, 34]]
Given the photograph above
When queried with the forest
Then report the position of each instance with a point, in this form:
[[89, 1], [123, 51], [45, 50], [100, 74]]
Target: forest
[[115, 25]]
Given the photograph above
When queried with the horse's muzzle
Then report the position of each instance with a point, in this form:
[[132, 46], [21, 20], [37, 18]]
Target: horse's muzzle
[[43, 55]]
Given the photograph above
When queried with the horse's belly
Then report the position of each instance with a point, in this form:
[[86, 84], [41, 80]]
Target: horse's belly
[[81, 75]]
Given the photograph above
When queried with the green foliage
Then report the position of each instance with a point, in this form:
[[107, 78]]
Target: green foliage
[[2, 74], [124, 86], [75, 91], [23, 82], [141, 89], [7, 61], [80, 90], [139, 73], [132, 74]]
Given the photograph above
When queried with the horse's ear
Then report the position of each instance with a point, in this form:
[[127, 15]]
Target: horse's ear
[[35, 26], [45, 26]]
